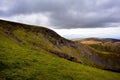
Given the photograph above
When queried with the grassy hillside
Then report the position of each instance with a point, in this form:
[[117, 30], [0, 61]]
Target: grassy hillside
[[31, 53]]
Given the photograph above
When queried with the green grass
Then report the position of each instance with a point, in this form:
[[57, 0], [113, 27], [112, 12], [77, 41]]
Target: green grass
[[25, 55], [22, 62]]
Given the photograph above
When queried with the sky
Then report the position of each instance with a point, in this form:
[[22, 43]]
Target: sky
[[69, 18]]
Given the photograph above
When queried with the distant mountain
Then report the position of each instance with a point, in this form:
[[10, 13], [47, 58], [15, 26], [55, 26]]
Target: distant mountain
[[96, 39], [110, 39], [105, 44], [30, 52]]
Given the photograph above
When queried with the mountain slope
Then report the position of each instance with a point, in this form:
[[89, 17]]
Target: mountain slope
[[31, 53]]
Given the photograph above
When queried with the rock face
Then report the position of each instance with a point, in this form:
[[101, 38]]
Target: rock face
[[38, 37]]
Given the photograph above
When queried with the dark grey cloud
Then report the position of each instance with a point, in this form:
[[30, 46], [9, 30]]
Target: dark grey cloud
[[67, 13]]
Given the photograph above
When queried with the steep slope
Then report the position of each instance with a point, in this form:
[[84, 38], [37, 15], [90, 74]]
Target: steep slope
[[19, 62], [35, 50], [26, 53], [40, 37]]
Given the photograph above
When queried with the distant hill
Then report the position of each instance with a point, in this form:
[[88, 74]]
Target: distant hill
[[105, 44], [103, 39], [96, 39], [30, 52]]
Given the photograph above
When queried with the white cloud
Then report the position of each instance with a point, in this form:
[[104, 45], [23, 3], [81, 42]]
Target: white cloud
[[112, 32], [33, 19]]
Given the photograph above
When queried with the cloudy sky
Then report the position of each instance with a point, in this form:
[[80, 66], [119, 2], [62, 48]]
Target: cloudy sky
[[69, 18]]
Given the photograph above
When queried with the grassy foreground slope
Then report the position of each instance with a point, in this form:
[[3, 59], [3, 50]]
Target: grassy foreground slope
[[25, 58], [37, 38], [19, 62]]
